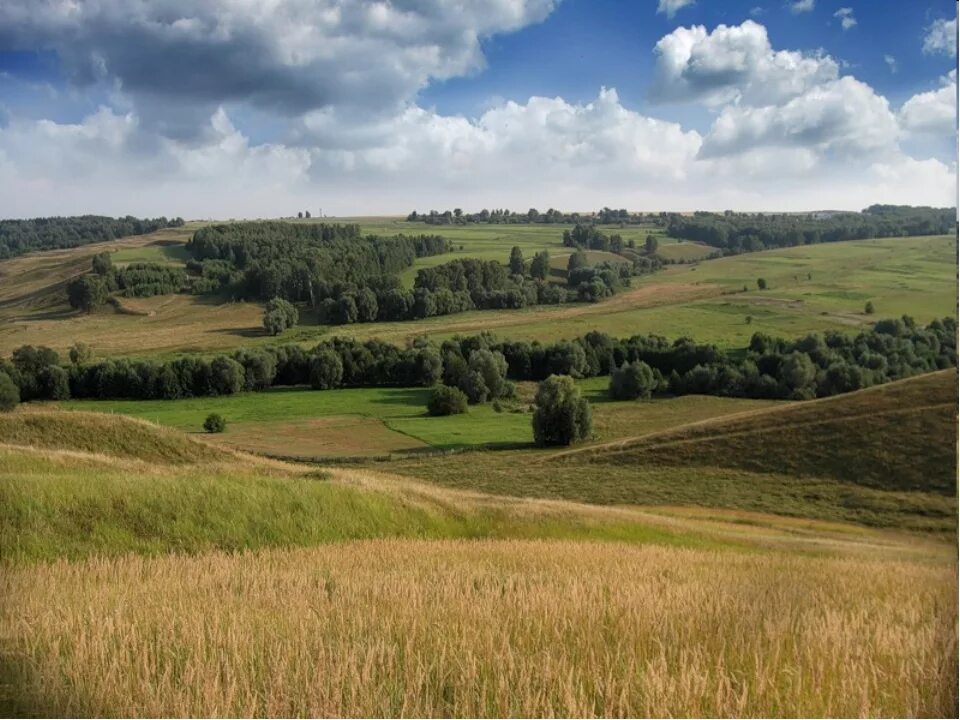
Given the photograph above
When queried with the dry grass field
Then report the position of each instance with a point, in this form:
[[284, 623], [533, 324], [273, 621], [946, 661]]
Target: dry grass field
[[494, 628]]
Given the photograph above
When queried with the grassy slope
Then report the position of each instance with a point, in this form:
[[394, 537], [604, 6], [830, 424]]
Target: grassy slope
[[915, 276], [57, 500], [898, 436], [809, 468]]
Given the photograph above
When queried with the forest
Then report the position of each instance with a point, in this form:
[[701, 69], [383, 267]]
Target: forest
[[302, 262], [606, 216], [50, 233], [734, 233]]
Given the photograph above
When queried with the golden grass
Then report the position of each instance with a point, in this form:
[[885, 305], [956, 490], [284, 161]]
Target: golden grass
[[495, 628]]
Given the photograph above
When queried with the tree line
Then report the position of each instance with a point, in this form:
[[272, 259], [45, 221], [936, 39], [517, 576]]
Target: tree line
[[734, 233], [605, 216], [18, 237], [813, 366]]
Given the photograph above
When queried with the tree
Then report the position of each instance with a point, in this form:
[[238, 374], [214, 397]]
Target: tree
[[486, 377], [561, 416], [540, 265], [578, 259], [761, 283], [632, 380], [102, 263], [54, 383], [215, 423], [516, 261], [9, 393], [279, 315], [446, 400], [306, 213], [651, 245], [300, 215], [326, 370], [227, 376], [367, 308], [80, 353], [87, 293], [868, 308]]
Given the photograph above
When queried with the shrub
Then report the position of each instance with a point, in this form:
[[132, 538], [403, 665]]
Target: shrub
[[868, 308], [214, 423], [446, 400], [561, 416], [761, 283]]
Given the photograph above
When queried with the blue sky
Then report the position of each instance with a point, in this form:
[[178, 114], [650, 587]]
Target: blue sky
[[223, 108]]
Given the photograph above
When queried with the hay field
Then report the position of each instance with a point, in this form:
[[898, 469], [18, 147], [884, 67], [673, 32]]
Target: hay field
[[495, 628]]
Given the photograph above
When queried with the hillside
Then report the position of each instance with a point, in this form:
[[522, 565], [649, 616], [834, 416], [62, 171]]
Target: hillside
[[883, 457], [91, 432], [898, 436]]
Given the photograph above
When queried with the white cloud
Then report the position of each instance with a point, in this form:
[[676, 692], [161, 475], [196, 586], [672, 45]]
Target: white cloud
[[670, 7], [841, 118], [933, 112], [941, 37], [789, 133], [847, 20], [801, 6], [178, 60], [891, 62], [733, 63]]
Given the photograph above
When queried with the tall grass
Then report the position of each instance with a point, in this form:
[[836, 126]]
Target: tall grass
[[493, 628]]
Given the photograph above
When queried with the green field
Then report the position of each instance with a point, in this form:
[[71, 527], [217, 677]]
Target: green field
[[294, 422]]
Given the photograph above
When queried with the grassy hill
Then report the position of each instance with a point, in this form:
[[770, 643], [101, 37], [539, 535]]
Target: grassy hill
[[885, 456], [899, 436], [193, 581]]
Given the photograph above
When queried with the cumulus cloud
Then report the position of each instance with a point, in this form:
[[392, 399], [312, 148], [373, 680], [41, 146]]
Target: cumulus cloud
[[733, 63], [847, 20], [789, 131], [801, 6], [290, 56], [933, 112], [941, 38], [670, 7], [843, 117]]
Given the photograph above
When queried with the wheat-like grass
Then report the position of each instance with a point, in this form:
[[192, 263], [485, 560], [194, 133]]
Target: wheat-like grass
[[491, 628]]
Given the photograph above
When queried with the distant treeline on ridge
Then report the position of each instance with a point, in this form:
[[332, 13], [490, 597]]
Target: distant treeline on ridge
[[18, 237]]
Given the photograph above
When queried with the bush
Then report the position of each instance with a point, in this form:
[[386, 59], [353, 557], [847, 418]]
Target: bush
[[561, 416], [761, 283], [9, 393], [214, 423], [446, 400], [868, 308]]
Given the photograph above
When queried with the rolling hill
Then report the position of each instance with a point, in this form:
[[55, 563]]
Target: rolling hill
[[899, 436]]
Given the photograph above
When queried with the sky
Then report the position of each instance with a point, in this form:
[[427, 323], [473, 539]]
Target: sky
[[262, 108]]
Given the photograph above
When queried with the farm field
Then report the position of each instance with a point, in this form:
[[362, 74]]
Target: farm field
[[239, 546], [914, 276]]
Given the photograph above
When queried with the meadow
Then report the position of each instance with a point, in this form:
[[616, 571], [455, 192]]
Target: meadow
[[354, 422]]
